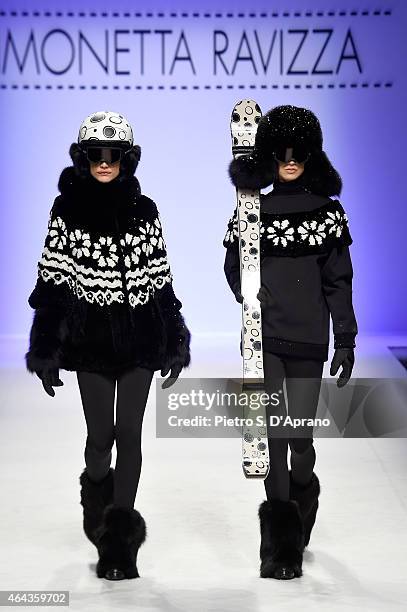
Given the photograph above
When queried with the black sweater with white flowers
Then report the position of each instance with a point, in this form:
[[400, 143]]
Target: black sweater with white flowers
[[307, 268], [103, 298]]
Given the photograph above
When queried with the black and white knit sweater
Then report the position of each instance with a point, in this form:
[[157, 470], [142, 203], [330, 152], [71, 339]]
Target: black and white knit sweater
[[103, 298], [306, 265]]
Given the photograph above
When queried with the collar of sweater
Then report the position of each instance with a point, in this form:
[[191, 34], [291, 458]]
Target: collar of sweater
[[99, 207], [91, 193], [290, 187]]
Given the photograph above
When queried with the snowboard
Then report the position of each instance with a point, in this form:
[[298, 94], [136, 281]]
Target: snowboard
[[256, 461]]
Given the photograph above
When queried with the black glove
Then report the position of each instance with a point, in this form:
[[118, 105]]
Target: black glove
[[175, 372], [238, 295], [50, 378], [344, 357], [264, 296]]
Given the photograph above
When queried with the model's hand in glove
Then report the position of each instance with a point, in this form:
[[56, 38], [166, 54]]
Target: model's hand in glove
[[175, 372], [264, 296], [238, 295], [344, 357], [50, 378]]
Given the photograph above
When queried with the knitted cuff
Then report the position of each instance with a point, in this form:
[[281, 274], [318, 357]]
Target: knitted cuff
[[344, 340]]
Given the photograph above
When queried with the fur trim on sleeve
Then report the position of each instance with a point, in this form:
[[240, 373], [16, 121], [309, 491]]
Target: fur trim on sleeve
[[48, 331], [177, 335]]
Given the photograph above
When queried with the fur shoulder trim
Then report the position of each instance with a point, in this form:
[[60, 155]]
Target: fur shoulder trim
[[147, 208], [67, 179], [87, 188]]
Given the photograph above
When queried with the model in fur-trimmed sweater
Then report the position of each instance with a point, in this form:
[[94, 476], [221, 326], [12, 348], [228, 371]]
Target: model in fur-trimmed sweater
[[104, 298]]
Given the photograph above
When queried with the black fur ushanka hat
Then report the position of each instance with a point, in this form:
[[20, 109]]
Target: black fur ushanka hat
[[281, 127]]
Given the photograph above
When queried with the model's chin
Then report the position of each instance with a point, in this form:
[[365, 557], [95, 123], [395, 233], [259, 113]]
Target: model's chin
[[104, 179]]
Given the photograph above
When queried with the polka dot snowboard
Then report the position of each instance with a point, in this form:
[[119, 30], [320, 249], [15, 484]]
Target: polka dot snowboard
[[256, 462]]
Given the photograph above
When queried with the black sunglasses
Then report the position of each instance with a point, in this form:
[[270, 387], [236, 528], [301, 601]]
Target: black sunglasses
[[110, 155], [297, 153]]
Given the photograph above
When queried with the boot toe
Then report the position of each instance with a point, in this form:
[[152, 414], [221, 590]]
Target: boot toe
[[284, 573], [114, 574]]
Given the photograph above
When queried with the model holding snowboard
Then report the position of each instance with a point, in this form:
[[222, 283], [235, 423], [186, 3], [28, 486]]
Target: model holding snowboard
[[105, 308], [306, 278]]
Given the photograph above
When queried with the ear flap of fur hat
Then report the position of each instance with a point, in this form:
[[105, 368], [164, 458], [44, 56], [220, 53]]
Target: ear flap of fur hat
[[130, 161], [79, 160], [321, 177], [248, 172]]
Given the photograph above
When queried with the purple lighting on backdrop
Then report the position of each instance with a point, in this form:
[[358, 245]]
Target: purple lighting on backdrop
[[177, 82]]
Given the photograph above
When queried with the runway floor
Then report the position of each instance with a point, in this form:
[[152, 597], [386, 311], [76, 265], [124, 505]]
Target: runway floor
[[202, 549]]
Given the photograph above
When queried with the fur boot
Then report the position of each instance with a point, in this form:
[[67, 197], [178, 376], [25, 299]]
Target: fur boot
[[282, 539], [119, 538], [307, 499], [95, 496]]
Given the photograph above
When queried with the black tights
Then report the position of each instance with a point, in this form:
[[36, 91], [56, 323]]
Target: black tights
[[302, 399], [98, 395]]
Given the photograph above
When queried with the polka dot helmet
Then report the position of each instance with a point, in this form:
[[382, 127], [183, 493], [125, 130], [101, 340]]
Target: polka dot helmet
[[107, 127]]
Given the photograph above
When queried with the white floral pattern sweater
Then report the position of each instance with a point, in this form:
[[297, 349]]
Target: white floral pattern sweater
[[88, 261], [306, 266], [298, 233], [104, 298]]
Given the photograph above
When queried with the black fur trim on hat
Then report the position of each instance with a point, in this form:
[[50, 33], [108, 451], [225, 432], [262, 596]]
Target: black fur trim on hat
[[250, 172], [130, 161], [321, 177], [80, 161], [281, 126]]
